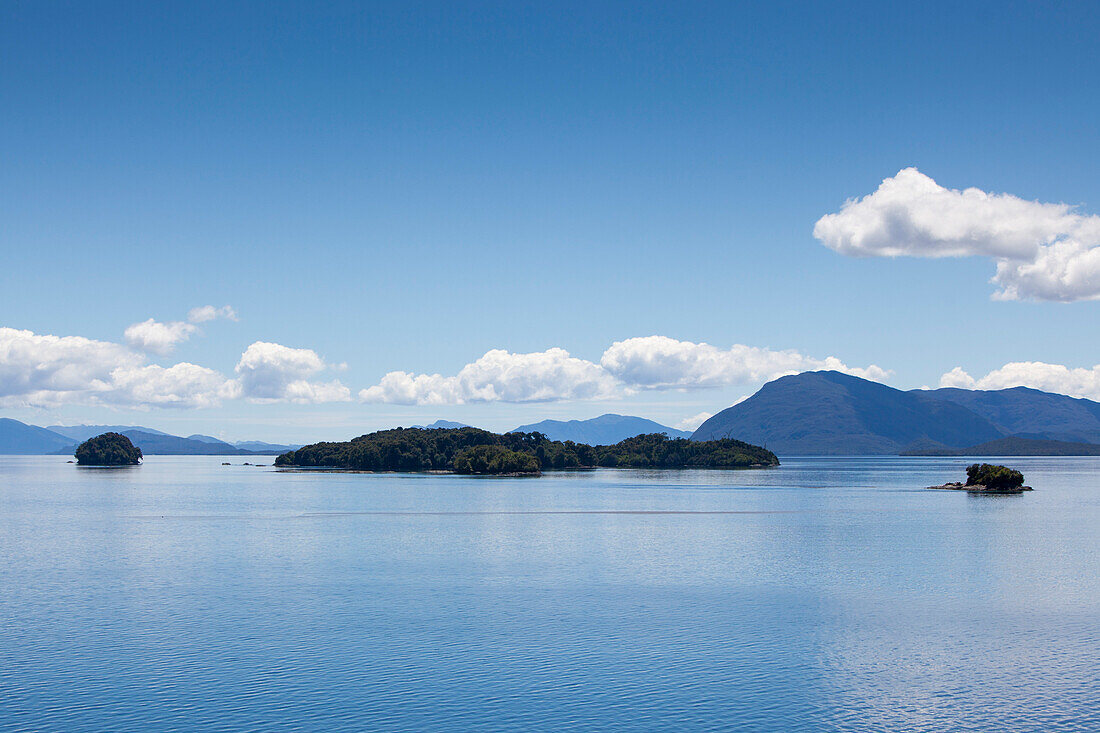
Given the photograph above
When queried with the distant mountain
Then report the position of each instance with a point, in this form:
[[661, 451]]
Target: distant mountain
[[172, 445], [1025, 411], [18, 438], [1014, 446], [441, 424], [603, 430], [829, 413], [207, 439], [80, 433], [260, 446]]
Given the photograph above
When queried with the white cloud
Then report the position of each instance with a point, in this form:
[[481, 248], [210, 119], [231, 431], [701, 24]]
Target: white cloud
[[1072, 381], [653, 362], [180, 385], [692, 423], [157, 337], [957, 377], [500, 376], [161, 338], [270, 372], [659, 362], [1043, 251], [205, 313], [48, 371]]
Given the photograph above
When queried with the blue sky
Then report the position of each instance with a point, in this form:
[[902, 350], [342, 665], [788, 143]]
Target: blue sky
[[407, 186]]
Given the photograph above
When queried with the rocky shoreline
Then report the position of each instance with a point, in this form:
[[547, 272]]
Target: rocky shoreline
[[980, 489]]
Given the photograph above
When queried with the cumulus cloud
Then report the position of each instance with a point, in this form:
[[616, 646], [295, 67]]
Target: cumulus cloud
[[205, 313], [660, 362], [47, 371], [1072, 381], [1043, 251], [157, 337], [161, 338], [50, 371], [500, 376], [269, 372], [693, 422], [180, 385], [652, 362]]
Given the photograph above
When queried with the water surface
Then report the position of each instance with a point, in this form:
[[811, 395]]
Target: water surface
[[827, 594]]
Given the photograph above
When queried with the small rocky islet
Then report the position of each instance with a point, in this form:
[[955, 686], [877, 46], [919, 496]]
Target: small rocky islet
[[988, 478]]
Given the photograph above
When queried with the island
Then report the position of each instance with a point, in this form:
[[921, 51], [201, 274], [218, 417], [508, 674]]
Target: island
[[108, 449], [474, 451], [987, 478]]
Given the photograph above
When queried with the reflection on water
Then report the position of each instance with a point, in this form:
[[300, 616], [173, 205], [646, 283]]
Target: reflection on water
[[827, 594]]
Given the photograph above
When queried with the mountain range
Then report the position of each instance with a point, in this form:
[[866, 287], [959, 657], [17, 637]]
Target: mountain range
[[830, 413], [22, 439], [813, 413], [603, 430]]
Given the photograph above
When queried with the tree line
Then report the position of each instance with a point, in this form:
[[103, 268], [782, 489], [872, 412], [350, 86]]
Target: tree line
[[475, 451]]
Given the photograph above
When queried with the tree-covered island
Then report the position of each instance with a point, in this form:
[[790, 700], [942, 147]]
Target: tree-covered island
[[475, 451], [108, 449], [987, 478]]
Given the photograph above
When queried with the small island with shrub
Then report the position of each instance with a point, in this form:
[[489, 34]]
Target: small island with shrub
[[108, 449], [474, 451], [987, 478]]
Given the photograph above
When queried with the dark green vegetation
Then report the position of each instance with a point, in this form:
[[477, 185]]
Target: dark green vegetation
[[993, 477], [495, 459], [1014, 446], [467, 450], [659, 451], [109, 449], [829, 413]]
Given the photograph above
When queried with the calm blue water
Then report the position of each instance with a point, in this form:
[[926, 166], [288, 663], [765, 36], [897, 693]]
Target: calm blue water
[[828, 594]]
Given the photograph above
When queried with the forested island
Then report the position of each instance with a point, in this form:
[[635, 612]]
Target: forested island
[[475, 451], [109, 449]]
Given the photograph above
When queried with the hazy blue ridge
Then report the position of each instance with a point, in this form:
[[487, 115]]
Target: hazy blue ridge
[[829, 413], [603, 430], [172, 445], [1014, 445], [442, 424], [80, 433], [208, 439], [259, 445], [18, 438], [1026, 411]]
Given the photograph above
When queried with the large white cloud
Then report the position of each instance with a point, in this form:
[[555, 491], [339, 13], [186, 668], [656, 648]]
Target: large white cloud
[[157, 337], [1072, 381], [273, 372], [1043, 251], [652, 362], [39, 370], [46, 371], [180, 385], [661, 362], [500, 376]]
